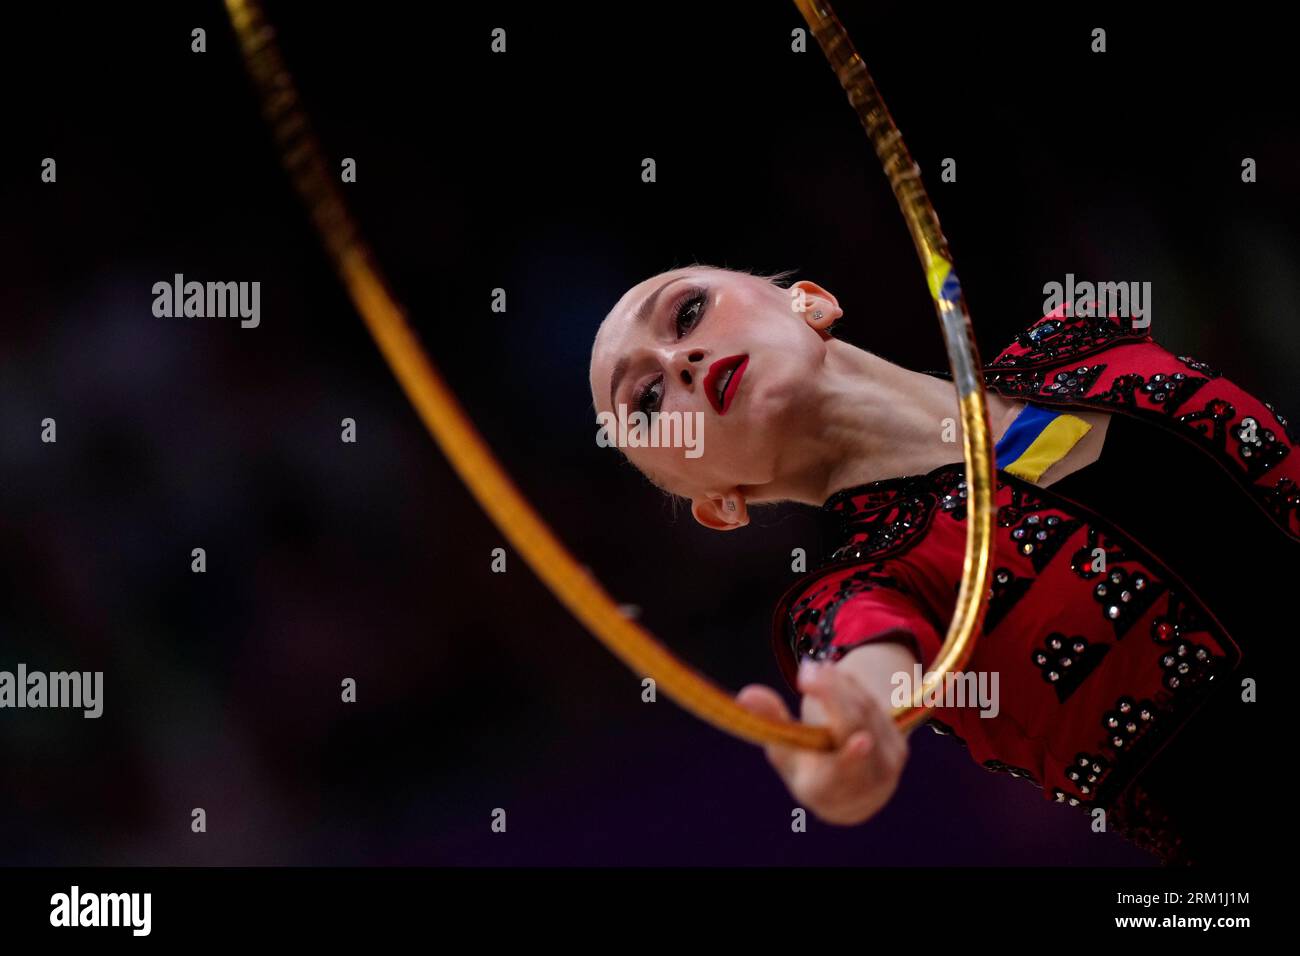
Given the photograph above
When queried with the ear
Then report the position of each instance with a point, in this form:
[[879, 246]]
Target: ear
[[818, 307], [721, 512]]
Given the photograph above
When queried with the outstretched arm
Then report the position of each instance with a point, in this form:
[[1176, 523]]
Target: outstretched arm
[[849, 784]]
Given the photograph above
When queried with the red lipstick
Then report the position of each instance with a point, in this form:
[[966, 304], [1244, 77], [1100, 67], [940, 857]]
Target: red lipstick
[[722, 380]]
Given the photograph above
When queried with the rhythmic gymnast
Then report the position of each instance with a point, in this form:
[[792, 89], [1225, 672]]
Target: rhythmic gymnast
[[1148, 514], [1148, 524]]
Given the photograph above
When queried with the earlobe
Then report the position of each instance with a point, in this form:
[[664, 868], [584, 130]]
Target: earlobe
[[721, 513], [818, 307]]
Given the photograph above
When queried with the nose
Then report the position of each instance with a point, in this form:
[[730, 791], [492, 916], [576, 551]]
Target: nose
[[687, 364]]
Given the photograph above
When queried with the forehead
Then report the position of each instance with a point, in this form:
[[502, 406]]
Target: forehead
[[626, 307], [620, 327]]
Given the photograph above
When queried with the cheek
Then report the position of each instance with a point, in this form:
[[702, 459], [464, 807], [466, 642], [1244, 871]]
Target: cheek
[[740, 450], [781, 379], [671, 468]]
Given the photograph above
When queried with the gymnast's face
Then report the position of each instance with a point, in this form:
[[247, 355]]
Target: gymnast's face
[[733, 347]]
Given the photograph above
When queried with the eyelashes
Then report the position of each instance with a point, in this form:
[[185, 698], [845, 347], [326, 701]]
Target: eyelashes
[[686, 311], [649, 397]]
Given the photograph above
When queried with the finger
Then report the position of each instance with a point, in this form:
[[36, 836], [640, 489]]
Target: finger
[[847, 761], [856, 754], [868, 742], [765, 702], [868, 712], [839, 695], [888, 746], [845, 777]]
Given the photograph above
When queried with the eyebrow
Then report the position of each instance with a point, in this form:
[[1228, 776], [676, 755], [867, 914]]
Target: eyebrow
[[640, 316]]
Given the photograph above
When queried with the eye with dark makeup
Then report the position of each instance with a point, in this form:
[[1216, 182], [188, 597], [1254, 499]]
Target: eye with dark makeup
[[648, 397], [688, 310]]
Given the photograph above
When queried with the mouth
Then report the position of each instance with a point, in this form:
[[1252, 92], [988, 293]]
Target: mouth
[[723, 380]]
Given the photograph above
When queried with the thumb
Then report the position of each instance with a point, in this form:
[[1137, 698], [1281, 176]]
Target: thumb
[[765, 702]]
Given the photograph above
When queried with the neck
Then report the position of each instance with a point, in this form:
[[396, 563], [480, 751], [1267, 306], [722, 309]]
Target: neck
[[872, 420]]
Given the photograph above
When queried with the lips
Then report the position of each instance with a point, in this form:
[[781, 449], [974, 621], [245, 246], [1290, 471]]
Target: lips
[[723, 380]]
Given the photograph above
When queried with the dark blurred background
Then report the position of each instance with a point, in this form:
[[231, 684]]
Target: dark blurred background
[[328, 560]]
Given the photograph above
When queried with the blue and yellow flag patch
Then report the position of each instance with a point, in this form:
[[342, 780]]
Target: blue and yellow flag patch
[[1036, 440]]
